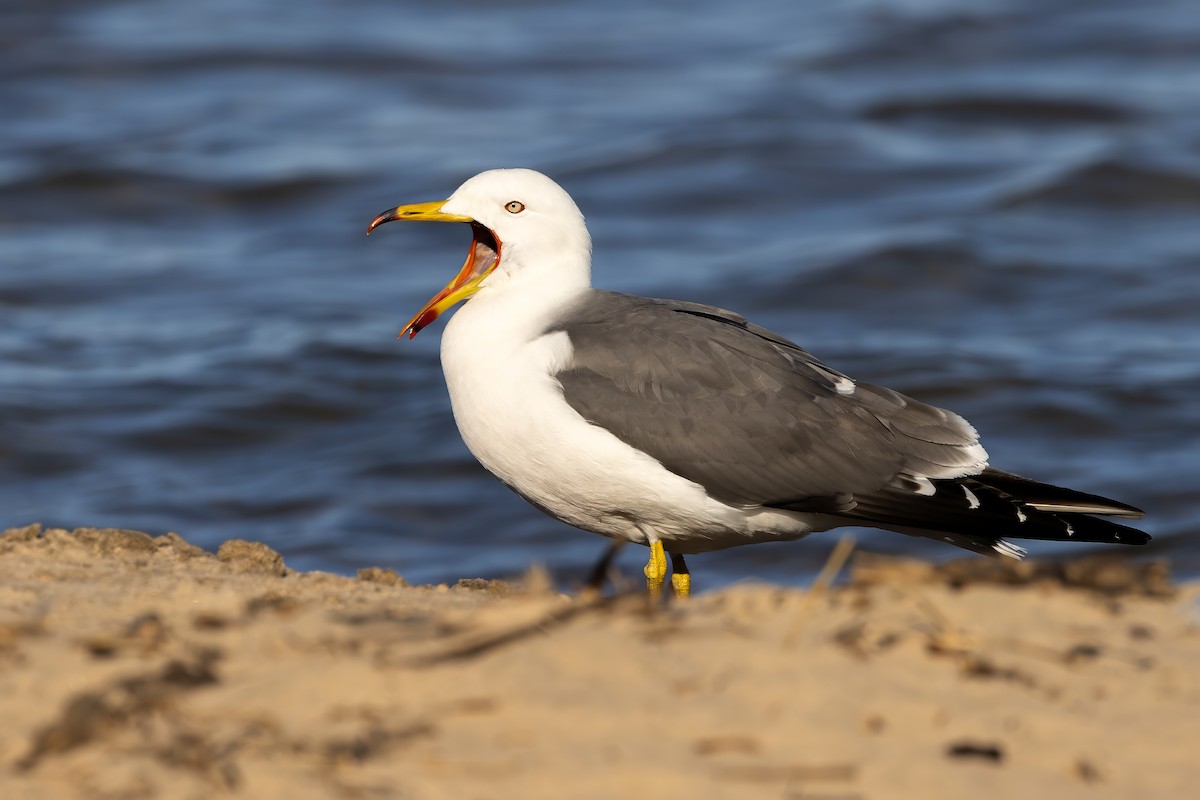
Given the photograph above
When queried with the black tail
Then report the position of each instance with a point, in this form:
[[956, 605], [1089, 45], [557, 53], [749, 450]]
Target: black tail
[[977, 512], [1045, 497]]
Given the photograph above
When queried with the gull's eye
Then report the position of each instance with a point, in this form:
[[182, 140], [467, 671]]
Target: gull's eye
[[514, 206]]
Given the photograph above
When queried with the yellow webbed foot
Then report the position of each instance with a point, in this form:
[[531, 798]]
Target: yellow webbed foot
[[681, 578], [656, 569]]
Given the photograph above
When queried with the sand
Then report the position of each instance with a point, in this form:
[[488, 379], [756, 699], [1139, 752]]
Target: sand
[[140, 667]]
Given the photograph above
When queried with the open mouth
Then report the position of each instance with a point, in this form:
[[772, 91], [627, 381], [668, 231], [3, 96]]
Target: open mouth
[[485, 248], [482, 258]]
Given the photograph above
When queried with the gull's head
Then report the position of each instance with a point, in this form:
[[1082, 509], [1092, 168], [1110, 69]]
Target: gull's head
[[524, 228]]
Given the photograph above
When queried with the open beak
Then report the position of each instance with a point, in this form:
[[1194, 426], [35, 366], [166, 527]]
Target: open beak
[[481, 260]]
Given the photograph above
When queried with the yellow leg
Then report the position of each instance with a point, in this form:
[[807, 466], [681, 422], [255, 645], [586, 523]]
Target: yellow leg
[[681, 578], [656, 569]]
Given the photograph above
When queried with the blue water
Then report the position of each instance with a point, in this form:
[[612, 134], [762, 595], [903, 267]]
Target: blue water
[[994, 208]]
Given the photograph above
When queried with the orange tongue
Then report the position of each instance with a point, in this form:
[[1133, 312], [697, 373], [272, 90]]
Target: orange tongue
[[465, 283]]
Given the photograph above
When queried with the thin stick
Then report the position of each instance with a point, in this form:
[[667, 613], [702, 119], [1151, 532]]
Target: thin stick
[[833, 565]]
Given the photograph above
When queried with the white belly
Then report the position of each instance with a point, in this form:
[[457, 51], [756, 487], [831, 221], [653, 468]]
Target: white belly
[[512, 416]]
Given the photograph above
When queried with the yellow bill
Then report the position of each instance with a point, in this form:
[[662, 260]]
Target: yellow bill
[[481, 260]]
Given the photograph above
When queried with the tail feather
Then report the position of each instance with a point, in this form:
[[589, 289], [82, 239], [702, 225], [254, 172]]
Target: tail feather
[[977, 512], [1047, 497]]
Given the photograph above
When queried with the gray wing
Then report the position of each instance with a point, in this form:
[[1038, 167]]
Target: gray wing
[[747, 414]]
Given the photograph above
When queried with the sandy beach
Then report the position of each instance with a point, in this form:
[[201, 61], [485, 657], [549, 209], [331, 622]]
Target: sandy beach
[[144, 667]]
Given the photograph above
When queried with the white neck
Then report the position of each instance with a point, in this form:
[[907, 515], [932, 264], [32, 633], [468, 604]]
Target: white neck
[[558, 262]]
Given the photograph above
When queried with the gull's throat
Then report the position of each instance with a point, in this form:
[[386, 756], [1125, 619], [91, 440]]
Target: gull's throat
[[482, 258]]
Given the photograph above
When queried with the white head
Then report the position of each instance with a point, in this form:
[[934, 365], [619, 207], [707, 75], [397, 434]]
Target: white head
[[526, 228]]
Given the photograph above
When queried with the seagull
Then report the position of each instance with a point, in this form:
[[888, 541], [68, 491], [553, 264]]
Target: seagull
[[684, 427]]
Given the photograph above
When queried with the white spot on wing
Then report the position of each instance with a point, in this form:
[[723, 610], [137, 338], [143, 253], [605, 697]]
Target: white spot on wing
[[1070, 530], [971, 498], [841, 384], [1007, 548], [924, 486], [1020, 515]]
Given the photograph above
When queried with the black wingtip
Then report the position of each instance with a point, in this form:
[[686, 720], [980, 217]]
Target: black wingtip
[[1055, 499]]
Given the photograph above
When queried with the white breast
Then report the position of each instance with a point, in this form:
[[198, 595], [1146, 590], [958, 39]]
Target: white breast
[[499, 367]]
